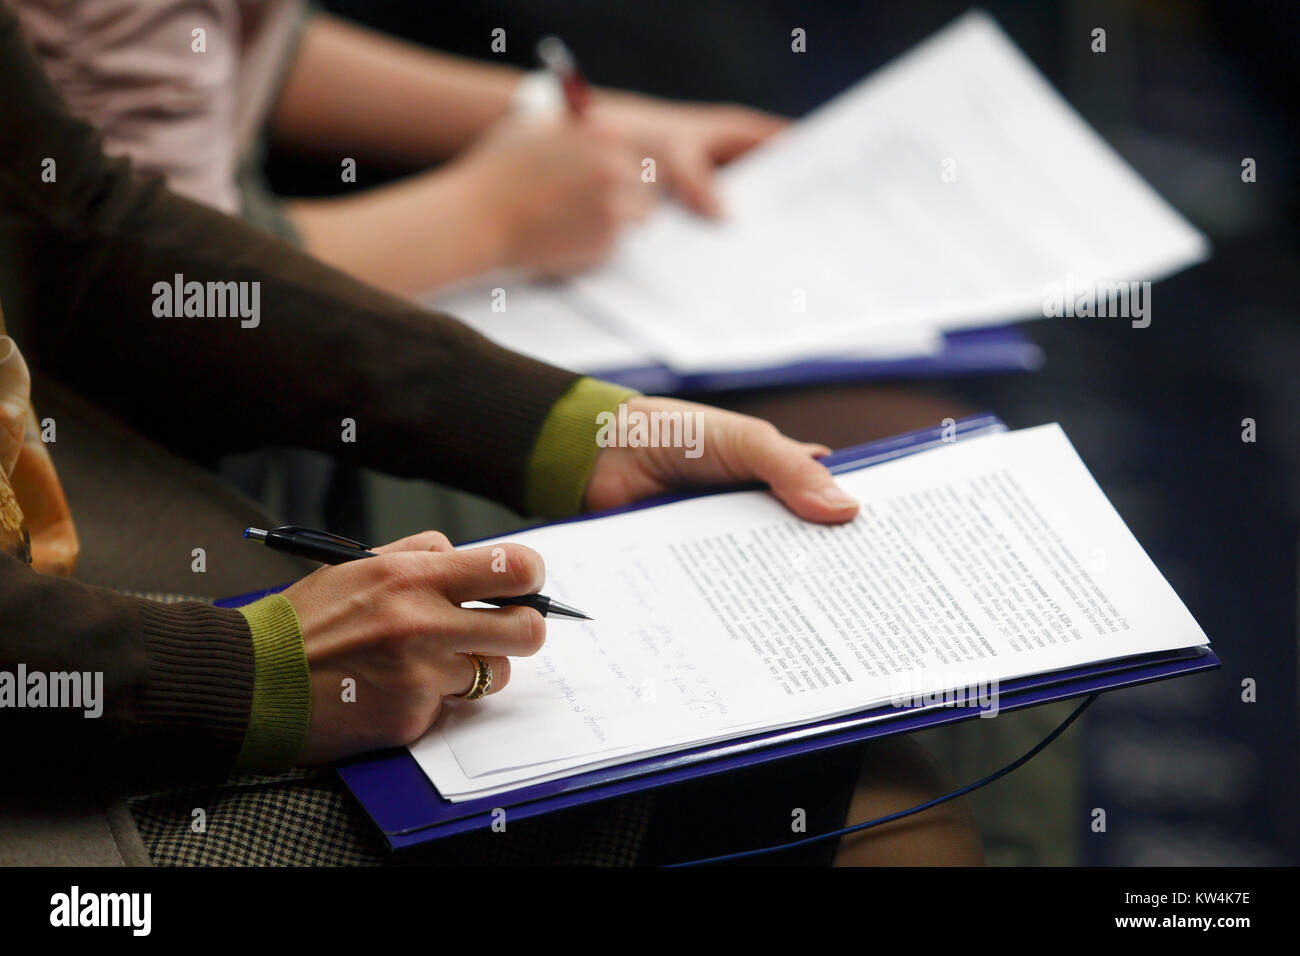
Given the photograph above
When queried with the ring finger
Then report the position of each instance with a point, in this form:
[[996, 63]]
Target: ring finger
[[463, 673]]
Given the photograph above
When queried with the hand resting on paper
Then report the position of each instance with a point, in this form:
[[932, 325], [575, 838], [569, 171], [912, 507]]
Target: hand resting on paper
[[733, 449]]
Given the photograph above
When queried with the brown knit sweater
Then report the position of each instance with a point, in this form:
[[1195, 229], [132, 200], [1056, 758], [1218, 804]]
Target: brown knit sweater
[[79, 259]]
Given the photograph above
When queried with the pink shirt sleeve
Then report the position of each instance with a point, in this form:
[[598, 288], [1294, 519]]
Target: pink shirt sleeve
[[179, 102]]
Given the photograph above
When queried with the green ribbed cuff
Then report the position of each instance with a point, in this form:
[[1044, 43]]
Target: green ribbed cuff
[[566, 447], [281, 712]]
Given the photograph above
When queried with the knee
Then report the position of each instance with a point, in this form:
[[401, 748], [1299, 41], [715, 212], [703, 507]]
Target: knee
[[896, 774]]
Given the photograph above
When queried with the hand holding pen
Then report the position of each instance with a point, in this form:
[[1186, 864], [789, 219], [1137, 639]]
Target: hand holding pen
[[389, 641], [334, 549], [555, 57]]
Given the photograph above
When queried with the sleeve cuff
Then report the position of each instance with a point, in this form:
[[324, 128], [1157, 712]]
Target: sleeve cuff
[[566, 448], [281, 709]]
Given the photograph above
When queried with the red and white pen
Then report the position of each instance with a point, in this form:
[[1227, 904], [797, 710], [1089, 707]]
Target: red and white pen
[[555, 56]]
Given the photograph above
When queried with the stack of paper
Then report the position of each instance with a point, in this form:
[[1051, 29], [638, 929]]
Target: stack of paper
[[954, 188], [973, 563]]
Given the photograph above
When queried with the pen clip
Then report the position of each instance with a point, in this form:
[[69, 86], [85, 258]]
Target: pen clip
[[322, 536]]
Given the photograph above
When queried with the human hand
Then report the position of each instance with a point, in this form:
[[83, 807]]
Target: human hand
[[686, 140], [394, 624], [733, 449], [554, 194]]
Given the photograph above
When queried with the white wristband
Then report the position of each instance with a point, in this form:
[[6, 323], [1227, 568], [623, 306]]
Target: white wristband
[[538, 96]]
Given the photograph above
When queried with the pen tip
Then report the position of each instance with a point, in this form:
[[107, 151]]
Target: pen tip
[[255, 534], [556, 609]]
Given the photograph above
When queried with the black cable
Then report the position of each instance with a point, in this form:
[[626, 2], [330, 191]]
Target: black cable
[[843, 831]]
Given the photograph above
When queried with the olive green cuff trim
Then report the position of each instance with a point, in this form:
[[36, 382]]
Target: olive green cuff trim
[[281, 711], [566, 447]]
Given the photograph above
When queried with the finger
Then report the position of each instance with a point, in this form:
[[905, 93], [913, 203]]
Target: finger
[[498, 570], [740, 130], [463, 672], [505, 631], [424, 541], [690, 173], [815, 449], [801, 482]]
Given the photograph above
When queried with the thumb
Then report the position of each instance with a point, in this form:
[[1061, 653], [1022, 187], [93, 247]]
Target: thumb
[[800, 481], [691, 175]]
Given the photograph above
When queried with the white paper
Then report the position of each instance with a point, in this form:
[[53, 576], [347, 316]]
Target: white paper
[[724, 616], [844, 225], [542, 321], [549, 321]]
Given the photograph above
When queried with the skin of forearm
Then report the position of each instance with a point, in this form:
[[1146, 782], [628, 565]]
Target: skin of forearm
[[353, 89], [408, 237]]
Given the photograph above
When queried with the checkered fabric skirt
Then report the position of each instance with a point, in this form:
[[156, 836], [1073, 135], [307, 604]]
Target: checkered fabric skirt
[[307, 818]]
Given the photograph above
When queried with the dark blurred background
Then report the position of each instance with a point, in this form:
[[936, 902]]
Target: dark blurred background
[[1187, 772]]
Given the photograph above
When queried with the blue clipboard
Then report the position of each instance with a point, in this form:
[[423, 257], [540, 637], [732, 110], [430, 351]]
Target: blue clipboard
[[408, 810], [967, 352]]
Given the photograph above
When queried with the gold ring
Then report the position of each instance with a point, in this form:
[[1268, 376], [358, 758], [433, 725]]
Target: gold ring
[[482, 678]]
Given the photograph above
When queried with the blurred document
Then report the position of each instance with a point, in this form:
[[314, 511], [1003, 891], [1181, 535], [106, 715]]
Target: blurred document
[[549, 321], [953, 188], [950, 189], [541, 320], [992, 558]]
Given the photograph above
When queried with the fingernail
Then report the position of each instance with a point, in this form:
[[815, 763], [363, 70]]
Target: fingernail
[[836, 498]]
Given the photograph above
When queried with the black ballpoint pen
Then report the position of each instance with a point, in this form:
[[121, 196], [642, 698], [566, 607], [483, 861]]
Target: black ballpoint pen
[[332, 549]]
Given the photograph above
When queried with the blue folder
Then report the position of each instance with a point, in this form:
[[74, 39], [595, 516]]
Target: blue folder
[[971, 351], [408, 810]]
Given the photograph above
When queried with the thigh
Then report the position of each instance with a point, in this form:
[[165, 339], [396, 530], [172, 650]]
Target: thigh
[[790, 800], [768, 805], [897, 774]]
